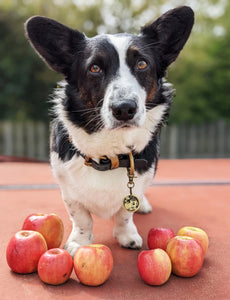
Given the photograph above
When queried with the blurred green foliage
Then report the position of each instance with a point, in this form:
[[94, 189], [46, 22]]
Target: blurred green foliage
[[201, 74]]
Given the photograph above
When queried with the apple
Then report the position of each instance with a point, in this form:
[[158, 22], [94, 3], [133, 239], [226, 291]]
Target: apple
[[24, 251], [197, 234], [154, 266], [93, 264], [159, 237], [49, 225], [186, 254], [55, 266]]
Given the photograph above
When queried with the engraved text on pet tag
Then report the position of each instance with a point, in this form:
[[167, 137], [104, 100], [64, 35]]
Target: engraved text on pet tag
[[131, 203]]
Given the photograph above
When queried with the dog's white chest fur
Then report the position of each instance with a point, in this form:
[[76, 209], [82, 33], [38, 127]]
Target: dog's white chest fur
[[99, 192]]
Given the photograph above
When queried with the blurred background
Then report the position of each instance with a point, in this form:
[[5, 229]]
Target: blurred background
[[199, 124]]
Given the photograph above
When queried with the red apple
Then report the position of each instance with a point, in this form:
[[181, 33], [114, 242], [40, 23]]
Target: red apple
[[159, 237], [24, 251], [197, 234], [49, 225], [93, 264], [55, 266], [186, 254], [154, 266]]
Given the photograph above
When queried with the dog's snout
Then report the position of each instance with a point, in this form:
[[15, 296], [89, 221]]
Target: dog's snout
[[124, 111]]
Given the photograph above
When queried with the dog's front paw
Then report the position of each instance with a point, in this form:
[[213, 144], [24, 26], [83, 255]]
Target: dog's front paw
[[131, 241], [72, 247], [145, 207], [73, 244]]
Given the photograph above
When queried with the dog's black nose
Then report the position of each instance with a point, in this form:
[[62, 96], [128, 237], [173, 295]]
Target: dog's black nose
[[124, 111]]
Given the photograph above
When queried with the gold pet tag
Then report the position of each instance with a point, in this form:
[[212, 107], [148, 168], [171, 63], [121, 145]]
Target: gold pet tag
[[131, 203]]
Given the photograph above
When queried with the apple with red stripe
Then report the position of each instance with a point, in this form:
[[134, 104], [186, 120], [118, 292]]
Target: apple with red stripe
[[24, 251], [49, 225], [159, 237], [154, 266], [186, 254], [55, 266]]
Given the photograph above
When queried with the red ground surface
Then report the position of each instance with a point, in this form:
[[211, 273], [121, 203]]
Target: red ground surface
[[192, 201]]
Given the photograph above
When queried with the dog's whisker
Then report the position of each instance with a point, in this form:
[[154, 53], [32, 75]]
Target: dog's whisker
[[99, 102], [100, 125], [92, 120], [89, 113], [89, 110], [84, 110]]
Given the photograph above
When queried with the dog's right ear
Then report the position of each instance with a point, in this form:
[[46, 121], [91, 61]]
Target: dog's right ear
[[54, 42], [169, 33]]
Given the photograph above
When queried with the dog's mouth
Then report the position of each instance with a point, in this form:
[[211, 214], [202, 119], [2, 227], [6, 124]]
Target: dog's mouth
[[123, 127], [126, 125]]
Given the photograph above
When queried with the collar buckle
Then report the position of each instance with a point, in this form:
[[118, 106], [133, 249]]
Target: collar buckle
[[103, 165], [122, 161]]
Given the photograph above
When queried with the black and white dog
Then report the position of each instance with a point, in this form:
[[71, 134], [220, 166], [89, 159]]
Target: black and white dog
[[113, 102]]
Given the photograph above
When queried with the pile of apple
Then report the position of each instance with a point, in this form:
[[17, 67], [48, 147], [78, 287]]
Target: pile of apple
[[183, 254], [35, 248]]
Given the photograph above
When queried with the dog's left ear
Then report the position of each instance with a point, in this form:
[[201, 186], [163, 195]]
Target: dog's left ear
[[169, 33], [57, 44]]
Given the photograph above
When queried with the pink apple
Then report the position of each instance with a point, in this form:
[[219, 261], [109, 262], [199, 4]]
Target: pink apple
[[55, 266], [49, 225], [159, 237], [24, 251], [197, 234], [93, 264], [186, 254], [154, 266]]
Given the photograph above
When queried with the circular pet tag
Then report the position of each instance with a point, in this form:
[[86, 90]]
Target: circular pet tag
[[131, 203]]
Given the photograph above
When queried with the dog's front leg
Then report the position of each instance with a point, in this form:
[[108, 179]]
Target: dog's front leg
[[82, 227], [125, 230], [145, 207]]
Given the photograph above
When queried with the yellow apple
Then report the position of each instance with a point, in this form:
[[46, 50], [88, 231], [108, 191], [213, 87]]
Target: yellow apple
[[197, 234], [93, 264]]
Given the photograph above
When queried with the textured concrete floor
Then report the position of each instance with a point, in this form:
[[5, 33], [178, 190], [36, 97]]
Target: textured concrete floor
[[186, 192]]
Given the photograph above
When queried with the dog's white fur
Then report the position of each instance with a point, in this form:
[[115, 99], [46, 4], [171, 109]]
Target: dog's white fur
[[127, 85]]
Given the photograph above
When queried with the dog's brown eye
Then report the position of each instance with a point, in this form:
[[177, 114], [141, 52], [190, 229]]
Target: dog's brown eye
[[142, 64], [95, 69]]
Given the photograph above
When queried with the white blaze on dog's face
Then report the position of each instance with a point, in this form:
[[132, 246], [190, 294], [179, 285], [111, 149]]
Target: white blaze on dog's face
[[125, 99]]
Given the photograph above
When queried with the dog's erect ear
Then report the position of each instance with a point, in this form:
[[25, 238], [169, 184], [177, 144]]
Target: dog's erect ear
[[170, 32], [54, 42]]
